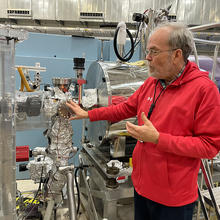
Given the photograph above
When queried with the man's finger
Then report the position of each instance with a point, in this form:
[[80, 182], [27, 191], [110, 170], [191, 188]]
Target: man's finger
[[73, 103], [73, 118], [132, 129], [145, 119], [69, 105], [131, 126]]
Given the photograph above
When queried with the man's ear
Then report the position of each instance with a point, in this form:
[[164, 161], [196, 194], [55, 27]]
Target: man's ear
[[178, 55]]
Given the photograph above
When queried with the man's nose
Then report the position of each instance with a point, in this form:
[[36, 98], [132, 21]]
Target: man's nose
[[148, 57]]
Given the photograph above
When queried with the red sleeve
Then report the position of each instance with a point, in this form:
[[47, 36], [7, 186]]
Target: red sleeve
[[114, 113], [205, 142]]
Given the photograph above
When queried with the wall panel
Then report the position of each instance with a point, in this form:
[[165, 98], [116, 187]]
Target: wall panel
[[44, 9], [67, 10]]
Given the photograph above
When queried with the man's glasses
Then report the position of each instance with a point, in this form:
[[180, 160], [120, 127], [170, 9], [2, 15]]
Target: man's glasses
[[154, 53]]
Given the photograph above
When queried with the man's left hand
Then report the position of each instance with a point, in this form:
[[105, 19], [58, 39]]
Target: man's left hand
[[145, 133]]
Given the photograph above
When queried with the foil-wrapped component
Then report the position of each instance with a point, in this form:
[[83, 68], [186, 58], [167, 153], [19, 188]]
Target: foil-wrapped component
[[56, 183], [39, 167], [60, 153], [64, 111], [53, 99], [90, 99], [50, 106], [8, 31], [61, 131], [60, 140], [60, 146]]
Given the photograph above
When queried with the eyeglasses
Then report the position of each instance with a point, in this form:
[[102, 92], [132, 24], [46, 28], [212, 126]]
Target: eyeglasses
[[154, 53]]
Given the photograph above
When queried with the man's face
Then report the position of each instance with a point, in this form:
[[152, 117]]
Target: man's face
[[160, 55]]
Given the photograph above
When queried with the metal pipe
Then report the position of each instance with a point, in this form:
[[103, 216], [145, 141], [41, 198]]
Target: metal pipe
[[204, 27], [89, 193], [71, 197], [7, 133], [195, 54], [209, 184], [217, 44], [214, 62], [207, 41], [69, 30], [199, 202], [92, 209], [49, 210]]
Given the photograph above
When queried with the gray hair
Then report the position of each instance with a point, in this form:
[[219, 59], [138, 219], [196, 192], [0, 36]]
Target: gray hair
[[180, 37]]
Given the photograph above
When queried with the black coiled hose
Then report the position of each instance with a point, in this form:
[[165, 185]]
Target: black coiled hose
[[131, 52]]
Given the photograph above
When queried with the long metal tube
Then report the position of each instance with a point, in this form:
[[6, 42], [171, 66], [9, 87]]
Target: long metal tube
[[210, 42], [89, 193], [92, 208], [217, 44], [195, 54], [204, 27], [49, 210], [210, 185], [214, 62], [7, 133], [68, 30], [71, 197]]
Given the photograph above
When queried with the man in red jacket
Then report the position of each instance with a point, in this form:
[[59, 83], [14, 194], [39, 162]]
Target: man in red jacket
[[178, 111]]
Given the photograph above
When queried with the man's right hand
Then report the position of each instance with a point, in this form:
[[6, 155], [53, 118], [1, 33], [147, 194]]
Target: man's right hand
[[78, 112]]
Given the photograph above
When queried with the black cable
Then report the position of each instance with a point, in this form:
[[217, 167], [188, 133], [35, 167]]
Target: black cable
[[136, 36], [124, 59], [135, 44], [55, 214], [154, 101], [77, 188], [38, 190]]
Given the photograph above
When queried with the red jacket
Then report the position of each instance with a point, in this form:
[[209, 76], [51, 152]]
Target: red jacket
[[187, 116]]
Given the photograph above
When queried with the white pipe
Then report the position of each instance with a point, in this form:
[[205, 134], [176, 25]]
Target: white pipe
[[210, 42], [204, 27]]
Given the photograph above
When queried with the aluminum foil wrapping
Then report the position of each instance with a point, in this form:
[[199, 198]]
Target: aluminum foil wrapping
[[61, 131], [59, 148], [50, 106], [39, 167], [58, 94], [90, 98], [60, 135], [55, 184], [52, 100], [7, 31]]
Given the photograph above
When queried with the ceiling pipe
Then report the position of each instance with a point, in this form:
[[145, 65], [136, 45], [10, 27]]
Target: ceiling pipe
[[83, 32]]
